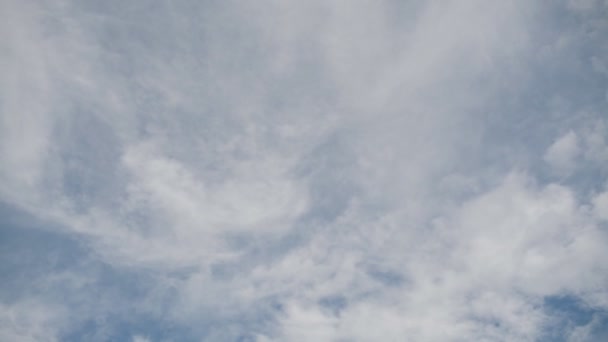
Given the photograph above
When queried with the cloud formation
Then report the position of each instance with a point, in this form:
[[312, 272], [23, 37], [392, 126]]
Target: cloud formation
[[304, 171]]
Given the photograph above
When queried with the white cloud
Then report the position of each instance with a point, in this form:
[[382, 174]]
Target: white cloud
[[600, 206], [562, 154], [481, 273], [138, 338], [31, 321]]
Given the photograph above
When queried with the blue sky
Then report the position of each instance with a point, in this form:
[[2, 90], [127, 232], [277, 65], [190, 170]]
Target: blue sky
[[304, 170]]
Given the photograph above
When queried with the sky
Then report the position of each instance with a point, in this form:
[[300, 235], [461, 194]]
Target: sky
[[363, 170]]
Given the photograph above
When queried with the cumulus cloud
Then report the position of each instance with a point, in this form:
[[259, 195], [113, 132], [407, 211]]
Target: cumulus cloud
[[304, 171]]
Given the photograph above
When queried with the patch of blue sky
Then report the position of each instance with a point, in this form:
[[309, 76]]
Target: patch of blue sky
[[568, 313]]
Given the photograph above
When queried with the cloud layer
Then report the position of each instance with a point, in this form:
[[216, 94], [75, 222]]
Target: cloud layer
[[304, 171]]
